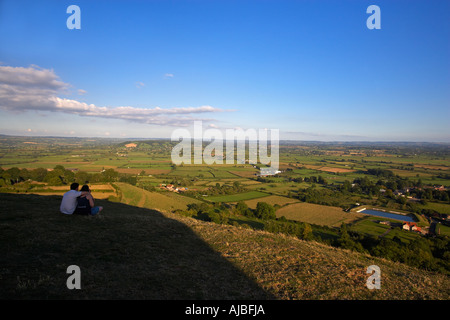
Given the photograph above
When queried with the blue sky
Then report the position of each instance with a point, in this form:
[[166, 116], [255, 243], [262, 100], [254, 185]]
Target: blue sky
[[311, 69]]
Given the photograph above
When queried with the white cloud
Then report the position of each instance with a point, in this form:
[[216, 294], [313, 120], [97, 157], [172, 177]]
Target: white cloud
[[168, 75], [32, 77], [139, 84], [81, 92], [28, 88], [33, 88]]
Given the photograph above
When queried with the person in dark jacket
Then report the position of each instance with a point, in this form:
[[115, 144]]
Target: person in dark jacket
[[85, 203]]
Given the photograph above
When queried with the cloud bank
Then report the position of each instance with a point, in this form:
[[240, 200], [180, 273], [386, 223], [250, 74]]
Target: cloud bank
[[33, 88]]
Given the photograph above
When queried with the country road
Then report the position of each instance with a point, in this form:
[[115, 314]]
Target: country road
[[385, 233]]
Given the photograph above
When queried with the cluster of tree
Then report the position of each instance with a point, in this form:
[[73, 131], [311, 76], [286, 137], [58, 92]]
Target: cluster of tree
[[295, 179], [431, 194], [300, 230], [127, 178], [384, 173], [268, 179], [364, 185], [426, 253], [445, 176], [181, 181], [262, 211], [217, 213], [325, 196], [224, 189], [314, 179], [59, 175], [434, 214], [220, 212]]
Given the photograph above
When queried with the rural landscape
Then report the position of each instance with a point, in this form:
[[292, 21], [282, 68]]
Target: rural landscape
[[362, 201], [226, 158]]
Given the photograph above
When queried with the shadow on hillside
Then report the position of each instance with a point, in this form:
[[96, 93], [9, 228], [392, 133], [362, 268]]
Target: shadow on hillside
[[125, 252]]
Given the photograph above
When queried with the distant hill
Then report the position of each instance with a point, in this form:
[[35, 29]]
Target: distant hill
[[128, 252]]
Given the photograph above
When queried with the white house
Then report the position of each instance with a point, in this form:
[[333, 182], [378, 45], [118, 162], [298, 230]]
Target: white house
[[268, 171]]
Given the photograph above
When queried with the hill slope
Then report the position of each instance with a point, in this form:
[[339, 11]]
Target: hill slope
[[167, 201], [129, 252]]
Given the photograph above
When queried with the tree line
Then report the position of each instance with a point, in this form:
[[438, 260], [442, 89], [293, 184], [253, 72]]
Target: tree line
[[59, 176]]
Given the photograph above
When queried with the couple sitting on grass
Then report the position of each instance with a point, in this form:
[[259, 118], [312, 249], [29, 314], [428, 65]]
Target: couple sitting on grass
[[79, 202]]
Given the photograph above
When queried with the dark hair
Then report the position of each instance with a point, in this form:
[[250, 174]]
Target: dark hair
[[74, 186], [85, 188]]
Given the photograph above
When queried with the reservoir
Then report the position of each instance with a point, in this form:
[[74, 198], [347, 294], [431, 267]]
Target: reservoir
[[388, 215]]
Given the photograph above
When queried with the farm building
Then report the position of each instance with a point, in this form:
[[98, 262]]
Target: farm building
[[268, 172], [172, 188], [412, 226]]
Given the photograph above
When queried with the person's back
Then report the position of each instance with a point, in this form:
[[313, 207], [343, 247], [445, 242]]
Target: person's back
[[69, 200], [83, 206], [85, 203]]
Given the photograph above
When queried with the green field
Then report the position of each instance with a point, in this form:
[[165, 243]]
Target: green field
[[146, 165], [370, 227], [439, 207], [443, 230], [237, 197], [404, 235]]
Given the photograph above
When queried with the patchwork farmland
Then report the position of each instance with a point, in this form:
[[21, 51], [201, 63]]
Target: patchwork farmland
[[313, 197]]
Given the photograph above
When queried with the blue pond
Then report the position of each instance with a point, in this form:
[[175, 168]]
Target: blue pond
[[388, 215]]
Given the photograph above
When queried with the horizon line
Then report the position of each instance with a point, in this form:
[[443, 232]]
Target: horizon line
[[286, 140]]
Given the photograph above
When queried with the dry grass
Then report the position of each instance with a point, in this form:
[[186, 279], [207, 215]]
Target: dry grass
[[167, 201], [91, 186], [157, 171], [432, 167], [328, 169], [290, 268], [131, 170], [128, 252], [335, 170], [272, 200], [99, 191], [318, 214]]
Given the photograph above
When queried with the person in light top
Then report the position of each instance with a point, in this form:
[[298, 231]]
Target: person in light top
[[69, 200]]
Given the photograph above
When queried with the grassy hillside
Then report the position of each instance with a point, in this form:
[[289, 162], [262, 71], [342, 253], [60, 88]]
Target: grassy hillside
[[128, 252], [168, 201]]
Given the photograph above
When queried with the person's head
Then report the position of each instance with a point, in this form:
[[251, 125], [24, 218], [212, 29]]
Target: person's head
[[85, 188], [74, 186]]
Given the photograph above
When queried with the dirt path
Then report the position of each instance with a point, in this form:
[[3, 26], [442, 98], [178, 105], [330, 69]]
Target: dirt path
[[387, 231], [142, 201]]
